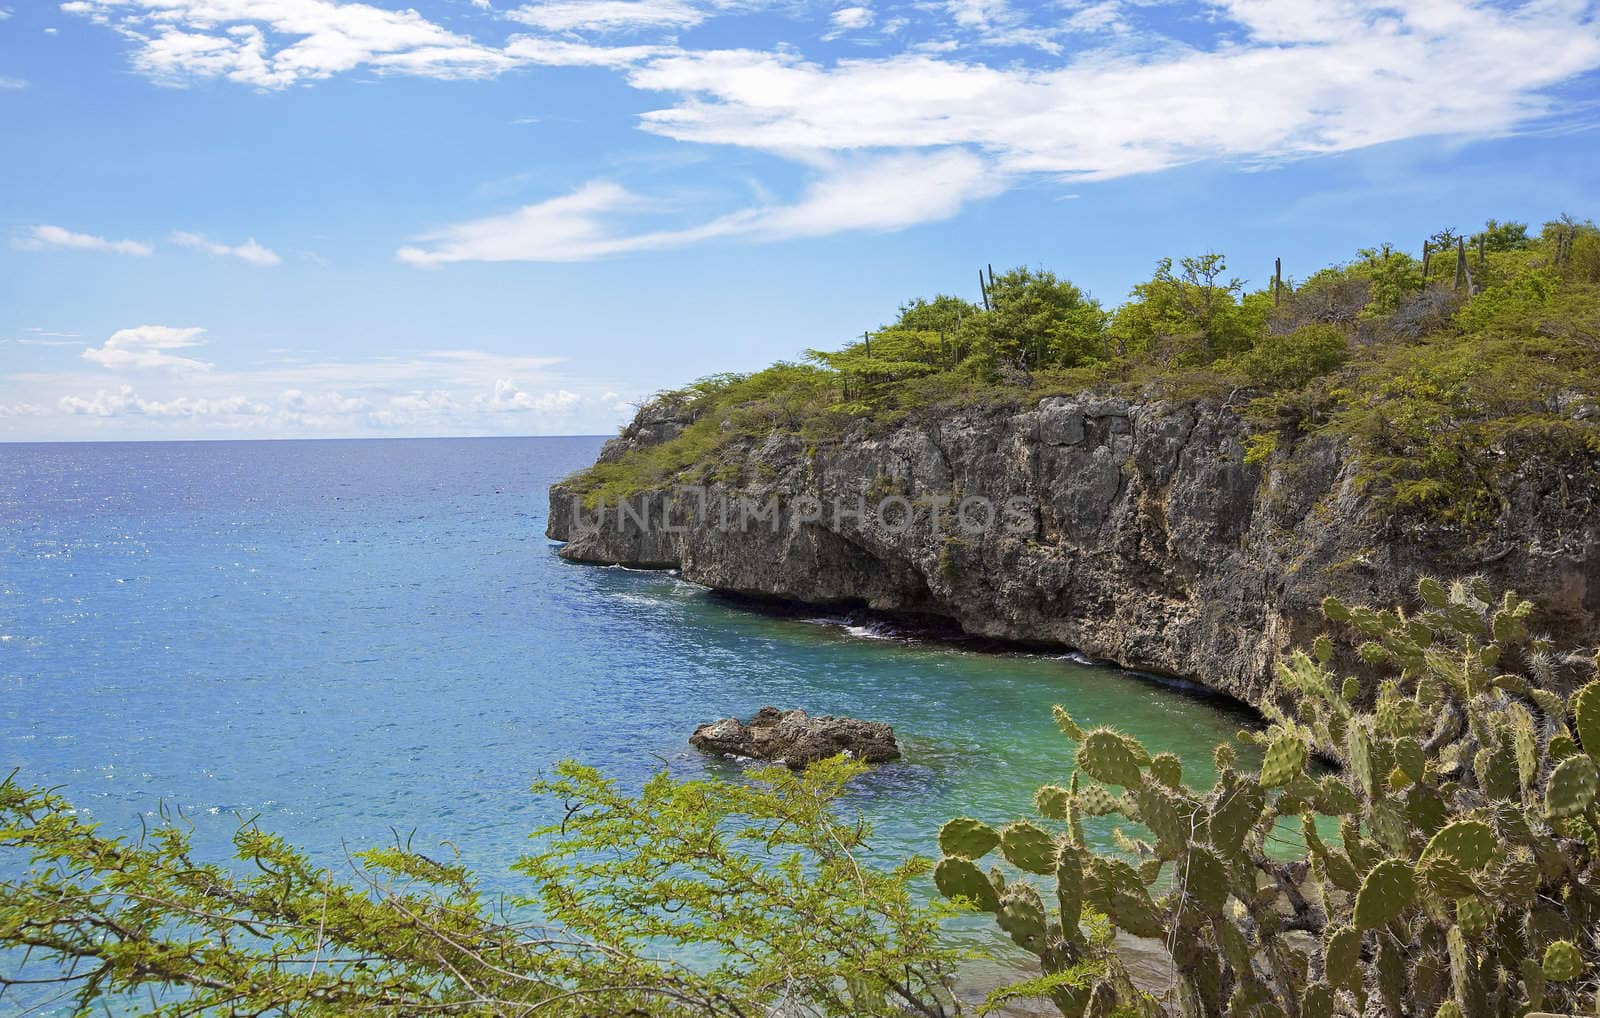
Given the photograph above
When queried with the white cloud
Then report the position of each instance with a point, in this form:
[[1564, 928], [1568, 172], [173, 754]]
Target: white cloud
[[569, 228], [1252, 81], [507, 396], [148, 346], [124, 400], [11, 84], [47, 237], [249, 251], [528, 49], [606, 15], [1313, 78], [850, 19], [881, 193], [277, 43]]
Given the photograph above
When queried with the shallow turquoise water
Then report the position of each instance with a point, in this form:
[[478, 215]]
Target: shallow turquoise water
[[349, 637]]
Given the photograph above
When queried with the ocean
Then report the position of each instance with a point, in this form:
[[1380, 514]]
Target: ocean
[[346, 639]]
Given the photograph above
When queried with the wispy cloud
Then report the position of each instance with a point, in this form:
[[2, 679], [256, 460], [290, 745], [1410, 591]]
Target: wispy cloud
[[1063, 92], [47, 237], [607, 15], [249, 251], [149, 347], [881, 193]]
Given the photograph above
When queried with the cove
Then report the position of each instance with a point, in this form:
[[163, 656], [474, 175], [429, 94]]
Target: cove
[[349, 639]]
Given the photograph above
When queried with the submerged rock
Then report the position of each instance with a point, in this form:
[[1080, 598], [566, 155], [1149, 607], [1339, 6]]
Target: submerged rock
[[796, 738]]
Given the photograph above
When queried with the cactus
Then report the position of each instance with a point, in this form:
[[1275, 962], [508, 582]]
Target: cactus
[[1286, 758], [1021, 914], [1064, 721], [1572, 786], [1109, 756], [965, 838], [1385, 893], [1465, 879], [1562, 961], [1586, 717], [1028, 847], [960, 878]]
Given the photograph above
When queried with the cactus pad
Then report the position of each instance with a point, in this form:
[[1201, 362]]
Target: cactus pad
[[960, 878], [1471, 916], [1069, 886], [1386, 892], [1470, 843], [965, 838], [1021, 914], [1562, 961], [1112, 757], [1167, 769], [1064, 721], [1205, 878], [1586, 717], [1285, 759], [1116, 889], [1572, 786], [1028, 847], [1341, 953], [1408, 756], [1053, 801]]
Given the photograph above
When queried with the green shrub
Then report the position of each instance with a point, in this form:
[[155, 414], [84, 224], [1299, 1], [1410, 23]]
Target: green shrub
[[697, 898], [1291, 361]]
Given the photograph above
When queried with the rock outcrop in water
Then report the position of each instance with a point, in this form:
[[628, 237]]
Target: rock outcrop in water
[[1146, 540], [795, 738]]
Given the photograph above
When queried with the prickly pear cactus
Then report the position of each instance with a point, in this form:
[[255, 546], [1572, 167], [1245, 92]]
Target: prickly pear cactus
[[1464, 881]]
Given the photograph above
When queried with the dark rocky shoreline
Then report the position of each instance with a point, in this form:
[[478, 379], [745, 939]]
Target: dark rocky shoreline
[[1152, 544]]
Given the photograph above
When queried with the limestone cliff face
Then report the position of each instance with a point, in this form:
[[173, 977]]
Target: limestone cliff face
[[1133, 532]]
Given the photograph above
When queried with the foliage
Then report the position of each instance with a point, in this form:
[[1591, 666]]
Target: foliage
[[1442, 392], [764, 882], [1192, 316], [1464, 877]]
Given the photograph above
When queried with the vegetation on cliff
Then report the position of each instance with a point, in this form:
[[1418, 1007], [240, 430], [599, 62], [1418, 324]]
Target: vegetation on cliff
[[1445, 374]]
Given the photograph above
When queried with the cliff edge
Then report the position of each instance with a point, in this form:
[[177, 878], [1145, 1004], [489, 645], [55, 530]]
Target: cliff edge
[[1131, 531]]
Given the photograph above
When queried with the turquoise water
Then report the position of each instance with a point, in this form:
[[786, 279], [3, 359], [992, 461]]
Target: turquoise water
[[348, 637]]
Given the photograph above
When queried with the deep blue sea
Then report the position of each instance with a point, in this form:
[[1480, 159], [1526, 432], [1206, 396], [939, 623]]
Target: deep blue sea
[[347, 638]]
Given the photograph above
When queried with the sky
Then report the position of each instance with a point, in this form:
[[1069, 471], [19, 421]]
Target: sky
[[319, 218]]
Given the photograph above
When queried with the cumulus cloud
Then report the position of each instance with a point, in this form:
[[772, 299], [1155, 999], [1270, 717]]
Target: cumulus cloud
[[281, 43], [507, 396], [149, 346], [124, 401], [850, 19], [249, 251], [438, 392], [47, 237]]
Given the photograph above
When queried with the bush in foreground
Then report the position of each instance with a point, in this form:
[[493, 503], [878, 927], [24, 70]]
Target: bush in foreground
[[1448, 870], [762, 882]]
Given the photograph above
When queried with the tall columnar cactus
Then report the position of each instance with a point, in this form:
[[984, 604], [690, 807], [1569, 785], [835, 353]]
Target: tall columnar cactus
[[1463, 880]]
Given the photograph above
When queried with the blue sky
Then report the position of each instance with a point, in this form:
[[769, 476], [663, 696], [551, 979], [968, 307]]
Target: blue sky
[[299, 218]]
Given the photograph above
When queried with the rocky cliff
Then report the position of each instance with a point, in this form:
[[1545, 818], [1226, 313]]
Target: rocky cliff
[[1133, 532]]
